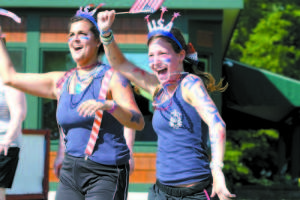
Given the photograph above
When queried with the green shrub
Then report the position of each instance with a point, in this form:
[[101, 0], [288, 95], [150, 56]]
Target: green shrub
[[251, 157]]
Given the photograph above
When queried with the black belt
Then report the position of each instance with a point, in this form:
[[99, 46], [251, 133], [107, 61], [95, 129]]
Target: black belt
[[183, 191]]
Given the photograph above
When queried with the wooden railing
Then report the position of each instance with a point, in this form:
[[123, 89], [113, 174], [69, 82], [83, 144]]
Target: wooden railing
[[144, 168]]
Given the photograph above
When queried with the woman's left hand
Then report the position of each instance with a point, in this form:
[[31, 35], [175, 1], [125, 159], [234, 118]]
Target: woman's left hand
[[89, 107], [219, 186]]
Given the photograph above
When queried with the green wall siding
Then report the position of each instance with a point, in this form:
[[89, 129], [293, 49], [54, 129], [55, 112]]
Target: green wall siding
[[124, 4]]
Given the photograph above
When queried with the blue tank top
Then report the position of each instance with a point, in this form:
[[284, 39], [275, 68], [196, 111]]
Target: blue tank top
[[110, 148], [182, 156]]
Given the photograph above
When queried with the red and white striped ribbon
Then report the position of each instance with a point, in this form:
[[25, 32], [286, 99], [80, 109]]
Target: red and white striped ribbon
[[98, 116]]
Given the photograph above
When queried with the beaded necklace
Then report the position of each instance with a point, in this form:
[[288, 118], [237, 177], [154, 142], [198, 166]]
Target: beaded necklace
[[81, 82], [164, 95]]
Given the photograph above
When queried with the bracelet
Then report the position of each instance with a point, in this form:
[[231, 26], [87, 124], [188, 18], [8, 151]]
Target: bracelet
[[213, 165], [107, 40], [113, 108], [105, 32]]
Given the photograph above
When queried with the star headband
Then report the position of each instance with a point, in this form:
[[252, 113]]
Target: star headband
[[85, 13], [159, 28]]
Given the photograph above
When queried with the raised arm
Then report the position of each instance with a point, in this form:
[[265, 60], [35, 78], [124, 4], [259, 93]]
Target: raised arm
[[116, 58], [42, 85], [195, 93]]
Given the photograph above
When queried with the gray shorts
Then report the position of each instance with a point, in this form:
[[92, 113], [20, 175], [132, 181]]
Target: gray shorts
[[8, 166], [87, 180]]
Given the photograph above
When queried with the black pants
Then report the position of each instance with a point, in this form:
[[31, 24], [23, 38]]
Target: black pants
[[84, 179], [200, 191], [8, 166]]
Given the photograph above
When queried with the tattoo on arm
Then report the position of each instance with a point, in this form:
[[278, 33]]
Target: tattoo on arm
[[123, 80], [217, 122], [135, 116]]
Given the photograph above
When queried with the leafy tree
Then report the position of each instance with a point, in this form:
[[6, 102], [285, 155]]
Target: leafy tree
[[275, 42], [257, 16]]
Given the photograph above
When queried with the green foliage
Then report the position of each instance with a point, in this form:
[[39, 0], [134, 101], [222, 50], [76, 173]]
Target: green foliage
[[251, 157], [274, 44], [267, 36]]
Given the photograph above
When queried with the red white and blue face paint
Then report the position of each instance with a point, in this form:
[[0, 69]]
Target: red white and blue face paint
[[80, 37], [82, 42], [164, 61]]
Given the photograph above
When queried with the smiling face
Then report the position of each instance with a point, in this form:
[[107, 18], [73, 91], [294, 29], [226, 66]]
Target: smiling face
[[164, 61], [82, 43]]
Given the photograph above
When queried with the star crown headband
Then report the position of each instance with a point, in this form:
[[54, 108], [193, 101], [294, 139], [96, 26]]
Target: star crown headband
[[158, 28], [85, 13]]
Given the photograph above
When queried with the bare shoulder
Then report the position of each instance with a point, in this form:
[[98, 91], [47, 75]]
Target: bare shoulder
[[190, 80], [56, 76]]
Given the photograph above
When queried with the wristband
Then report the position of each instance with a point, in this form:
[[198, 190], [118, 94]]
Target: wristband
[[113, 108], [214, 165], [105, 32], [107, 40]]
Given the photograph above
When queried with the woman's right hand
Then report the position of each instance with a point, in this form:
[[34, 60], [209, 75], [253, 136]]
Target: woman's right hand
[[58, 164], [105, 20]]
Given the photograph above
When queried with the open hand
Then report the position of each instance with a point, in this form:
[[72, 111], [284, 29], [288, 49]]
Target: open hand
[[219, 186]]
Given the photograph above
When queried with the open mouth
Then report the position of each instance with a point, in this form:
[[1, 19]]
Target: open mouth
[[77, 48], [162, 71]]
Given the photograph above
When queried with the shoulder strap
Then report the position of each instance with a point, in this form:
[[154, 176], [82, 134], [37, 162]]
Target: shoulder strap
[[99, 114], [60, 83]]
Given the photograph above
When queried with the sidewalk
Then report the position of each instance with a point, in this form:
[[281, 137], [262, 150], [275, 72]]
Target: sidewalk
[[131, 195]]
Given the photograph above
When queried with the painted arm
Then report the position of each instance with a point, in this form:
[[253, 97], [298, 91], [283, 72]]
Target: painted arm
[[118, 61], [127, 112], [129, 135], [42, 85], [16, 102], [121, 104], [195, 93]]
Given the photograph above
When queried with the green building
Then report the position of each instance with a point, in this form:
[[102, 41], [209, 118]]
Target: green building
[[39, 44]]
